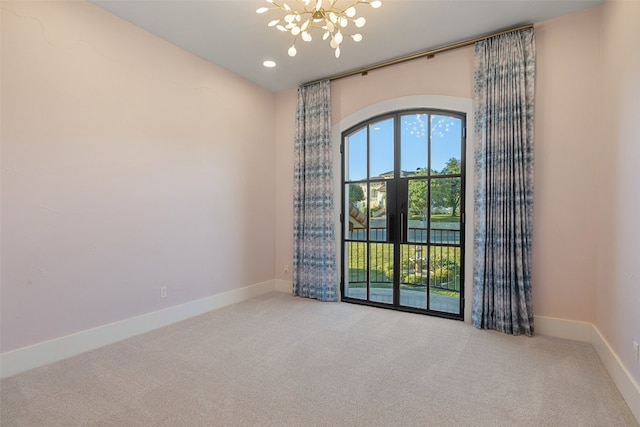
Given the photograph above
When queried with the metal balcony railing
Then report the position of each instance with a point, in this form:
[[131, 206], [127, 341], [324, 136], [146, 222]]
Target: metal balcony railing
[[415, 235], [438, 269], [438, 236]]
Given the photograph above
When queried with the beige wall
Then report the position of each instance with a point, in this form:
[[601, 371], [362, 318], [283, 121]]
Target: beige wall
[[285, 134], [566, 163], [127, 164], [564, 251], [449, 74], [618, 270]]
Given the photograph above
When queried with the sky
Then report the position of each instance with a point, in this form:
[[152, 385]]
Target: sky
[[445, 144]]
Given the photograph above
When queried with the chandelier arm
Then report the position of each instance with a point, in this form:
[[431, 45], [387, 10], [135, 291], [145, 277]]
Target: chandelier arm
[[276, 4], [304, 7], [354, 4]]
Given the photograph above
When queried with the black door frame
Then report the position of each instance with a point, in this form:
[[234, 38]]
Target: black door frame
[[397, 227]]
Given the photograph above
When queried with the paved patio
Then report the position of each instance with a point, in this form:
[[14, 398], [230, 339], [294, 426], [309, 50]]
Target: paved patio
[[409, 298]]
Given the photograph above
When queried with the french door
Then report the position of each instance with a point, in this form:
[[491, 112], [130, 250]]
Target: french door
[[403, 212]]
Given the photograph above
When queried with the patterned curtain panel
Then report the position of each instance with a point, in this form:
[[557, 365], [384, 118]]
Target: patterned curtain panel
[[314, 254], [503, 165]]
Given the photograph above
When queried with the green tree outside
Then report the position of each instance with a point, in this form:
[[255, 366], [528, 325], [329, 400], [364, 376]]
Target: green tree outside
[[445, 192], [418, 207], [356, 193]]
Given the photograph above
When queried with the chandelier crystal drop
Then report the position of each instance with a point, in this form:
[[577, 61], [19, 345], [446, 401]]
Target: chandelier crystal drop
[[332, 17]]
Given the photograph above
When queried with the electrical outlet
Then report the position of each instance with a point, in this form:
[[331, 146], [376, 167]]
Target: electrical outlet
[[286, 269], [163, 292], [636, 352]]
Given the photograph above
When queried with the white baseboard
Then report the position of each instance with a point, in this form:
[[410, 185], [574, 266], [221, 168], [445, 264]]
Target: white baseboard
[[283, 286], [587, 332], [561, 328], [622, 378], [41, 354]]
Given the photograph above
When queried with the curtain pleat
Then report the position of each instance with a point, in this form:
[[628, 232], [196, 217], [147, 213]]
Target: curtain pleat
[[314, 253], [503, 166]]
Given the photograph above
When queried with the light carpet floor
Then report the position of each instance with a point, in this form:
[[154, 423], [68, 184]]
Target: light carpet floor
[[277, 360]]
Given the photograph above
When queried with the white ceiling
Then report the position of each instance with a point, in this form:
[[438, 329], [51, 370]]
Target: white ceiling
[[232, 35]]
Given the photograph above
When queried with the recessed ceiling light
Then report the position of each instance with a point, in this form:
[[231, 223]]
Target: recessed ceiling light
[[269, 64]]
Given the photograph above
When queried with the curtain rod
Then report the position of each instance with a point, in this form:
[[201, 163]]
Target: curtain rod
[[429, 54]]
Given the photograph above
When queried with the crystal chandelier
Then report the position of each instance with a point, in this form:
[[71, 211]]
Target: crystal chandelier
[[307, 15]]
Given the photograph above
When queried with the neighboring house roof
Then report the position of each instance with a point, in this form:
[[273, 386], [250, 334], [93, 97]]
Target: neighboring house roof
[[357, 218], [391, 174]]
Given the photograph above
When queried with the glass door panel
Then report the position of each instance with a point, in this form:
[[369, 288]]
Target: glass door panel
[[356, 156], [414, 150], [414, 276], [356, 206], [381, 149], [444, 215], [378, 219], [445, 145], [355, 282], [417, 219], [444, 275], [382, 272], [403, 212]]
